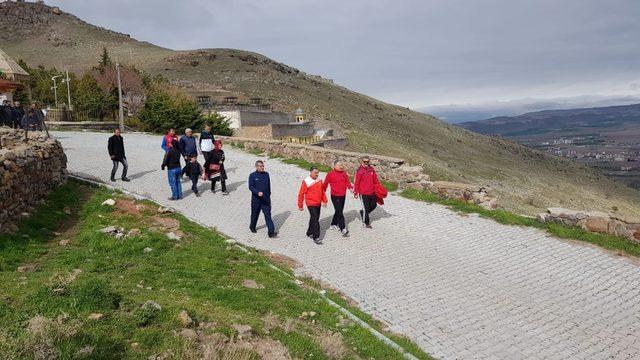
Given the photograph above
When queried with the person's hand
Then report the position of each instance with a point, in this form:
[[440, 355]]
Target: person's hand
[[301, 208], [324, 205], [355, 195], [162, 167], [260, 193], [113, 157]]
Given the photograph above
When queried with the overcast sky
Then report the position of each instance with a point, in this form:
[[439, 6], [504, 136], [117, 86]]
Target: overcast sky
[[414, 53]]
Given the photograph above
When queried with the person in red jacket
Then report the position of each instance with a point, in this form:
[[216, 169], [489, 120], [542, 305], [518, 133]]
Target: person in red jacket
[[312, 193], [339, 181], [364, 187]]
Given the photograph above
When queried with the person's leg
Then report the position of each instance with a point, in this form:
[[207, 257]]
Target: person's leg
[[310, 225], [339, 205], [369, 206], [194, 184], [255, 212], [334, 219], [266, 210], [179, 182], [223, 182], [213, 184], [125, 167], [114, 169], [315, 221], [172, 183]]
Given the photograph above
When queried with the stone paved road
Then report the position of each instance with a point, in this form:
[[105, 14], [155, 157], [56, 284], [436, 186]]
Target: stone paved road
[[462, 287]]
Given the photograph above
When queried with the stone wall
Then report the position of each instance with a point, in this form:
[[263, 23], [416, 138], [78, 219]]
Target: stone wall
[[594, 222], [388, 168], [28, 172]]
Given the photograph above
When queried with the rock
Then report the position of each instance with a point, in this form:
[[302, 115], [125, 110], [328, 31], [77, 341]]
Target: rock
[[244, 331], [59, 291], [312, 313], [108, 230], [414, 186], [134, 345], [230, 241], [109, 202], [151, 304], [252, 284], [119, 235], [64, 242], [27, 268], [189, 334], [185, 319], [134, 233], [141, 207], [597, 224], [147, 250], [95, 316], [56, 10], [173, 236], [164, 210]]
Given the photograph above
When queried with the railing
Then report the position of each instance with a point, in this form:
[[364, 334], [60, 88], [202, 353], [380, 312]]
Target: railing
[[304, 140], [78, 114]]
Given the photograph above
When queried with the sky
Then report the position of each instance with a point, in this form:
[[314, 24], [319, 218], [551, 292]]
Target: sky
[[470, 58]]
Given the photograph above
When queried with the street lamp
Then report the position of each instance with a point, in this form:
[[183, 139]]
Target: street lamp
[[55, 89], [68, 82]]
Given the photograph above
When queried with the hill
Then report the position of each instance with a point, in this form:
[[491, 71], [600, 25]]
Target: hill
[[546, 121], [525, 180]]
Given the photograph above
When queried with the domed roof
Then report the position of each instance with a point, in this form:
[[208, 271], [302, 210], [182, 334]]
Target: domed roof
[[299, 111]]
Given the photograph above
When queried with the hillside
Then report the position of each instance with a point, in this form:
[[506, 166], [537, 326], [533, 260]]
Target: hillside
[[541, 122], [525, 180]]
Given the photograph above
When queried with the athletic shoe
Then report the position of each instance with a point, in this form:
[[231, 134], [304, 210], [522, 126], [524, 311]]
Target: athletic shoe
[[225, 193], [345, 232], [171, 198], [197, 194], [333, 227], [272, 235], [317, 241], [113, 180], [253, 230], [125, 179], [368, 226]]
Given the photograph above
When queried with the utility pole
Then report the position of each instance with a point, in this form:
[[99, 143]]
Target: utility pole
[[68, 90], [120, 111], [55, 89]]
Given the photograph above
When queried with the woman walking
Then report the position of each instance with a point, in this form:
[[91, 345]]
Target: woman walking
[[167, 140], [214, 167], [174, 170]]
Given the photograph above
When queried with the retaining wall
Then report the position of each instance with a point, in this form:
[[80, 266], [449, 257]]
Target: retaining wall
[[28, 172]]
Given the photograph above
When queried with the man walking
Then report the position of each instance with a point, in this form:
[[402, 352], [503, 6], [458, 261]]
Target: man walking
[[188, 148], [39, 116], [206, 142], [312, 193], [364, 187], [6, 114], [116, 151], [260, 187], [339, 181]]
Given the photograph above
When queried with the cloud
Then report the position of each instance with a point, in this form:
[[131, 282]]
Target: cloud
[[410, 52]]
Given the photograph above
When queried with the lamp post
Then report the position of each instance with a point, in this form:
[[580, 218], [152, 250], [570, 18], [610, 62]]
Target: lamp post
[[66, 80], [55, 89], [120, 110]]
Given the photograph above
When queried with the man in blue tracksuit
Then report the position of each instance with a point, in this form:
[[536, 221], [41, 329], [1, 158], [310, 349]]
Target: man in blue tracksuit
[[260, 186]]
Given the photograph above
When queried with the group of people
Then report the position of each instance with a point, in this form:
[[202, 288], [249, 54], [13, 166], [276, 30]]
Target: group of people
[[15, 116], [366, 185]]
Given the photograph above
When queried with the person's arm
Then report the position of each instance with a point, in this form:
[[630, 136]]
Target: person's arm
[[356, 184], [182, 143], [301, 192], [252, 186], [165, 161], [325, 183], [110, 147], [163, 144], [324, 198]]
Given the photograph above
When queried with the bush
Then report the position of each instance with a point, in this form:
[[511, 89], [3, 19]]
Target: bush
[[163, 111]]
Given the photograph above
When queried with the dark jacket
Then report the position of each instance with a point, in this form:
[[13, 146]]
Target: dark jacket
[[18, 113], [217, 157], [193, 169], [116, 147], [6, 115], [188, 145], [260, 182], [29, 121], [172, 159]]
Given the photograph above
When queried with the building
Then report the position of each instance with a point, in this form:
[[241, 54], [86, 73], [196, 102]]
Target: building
[[12, 77], [269, 125]]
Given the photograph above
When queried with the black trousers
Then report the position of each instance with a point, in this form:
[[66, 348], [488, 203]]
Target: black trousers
[[338, 216], [207, 155], [125, 167], [223, 182], [314, 222], [370, 203], [256, 207], [194, 183]]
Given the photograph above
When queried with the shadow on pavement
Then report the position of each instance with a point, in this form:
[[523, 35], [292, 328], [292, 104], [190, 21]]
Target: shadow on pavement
[[140, 174]]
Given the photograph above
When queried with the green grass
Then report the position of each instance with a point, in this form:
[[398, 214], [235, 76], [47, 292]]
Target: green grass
[[606, 241], [390, 185], [304, 164], [201, 274]]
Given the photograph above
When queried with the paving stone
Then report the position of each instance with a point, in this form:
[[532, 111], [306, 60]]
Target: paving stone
[[454, 284]]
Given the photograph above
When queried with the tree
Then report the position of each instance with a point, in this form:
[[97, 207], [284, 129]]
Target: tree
[[220, 125], [105, 60], [133, 89], [167, 108]]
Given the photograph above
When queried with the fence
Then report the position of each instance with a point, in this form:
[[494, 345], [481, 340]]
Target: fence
[[82, 114]]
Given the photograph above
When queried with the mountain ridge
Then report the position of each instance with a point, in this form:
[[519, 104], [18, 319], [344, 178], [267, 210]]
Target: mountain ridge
[[525, 180]]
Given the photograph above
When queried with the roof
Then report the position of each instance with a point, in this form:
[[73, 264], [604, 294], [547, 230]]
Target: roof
[[7, 85], [10, 67], [299, 111]]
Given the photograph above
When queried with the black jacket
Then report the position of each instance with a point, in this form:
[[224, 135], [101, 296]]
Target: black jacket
[[260, 182], [217, 157], [116, 147], [18, 113], [172, 159]]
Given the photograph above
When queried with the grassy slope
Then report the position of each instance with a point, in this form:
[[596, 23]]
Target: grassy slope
[[526, 181], [200, 274]]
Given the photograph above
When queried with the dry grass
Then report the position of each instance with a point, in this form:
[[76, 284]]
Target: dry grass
[[333, 346]]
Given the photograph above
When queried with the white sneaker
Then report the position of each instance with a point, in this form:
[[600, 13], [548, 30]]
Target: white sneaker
[[345, 232], [334, 227]]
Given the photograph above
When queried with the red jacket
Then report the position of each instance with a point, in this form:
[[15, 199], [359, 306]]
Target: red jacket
[[365, 181], [311, 192], [339, 181]]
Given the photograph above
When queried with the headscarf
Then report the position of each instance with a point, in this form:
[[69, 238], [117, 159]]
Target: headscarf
[[217, 145]]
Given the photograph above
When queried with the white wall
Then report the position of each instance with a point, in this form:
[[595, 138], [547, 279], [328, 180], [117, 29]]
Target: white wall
[[234, 116]]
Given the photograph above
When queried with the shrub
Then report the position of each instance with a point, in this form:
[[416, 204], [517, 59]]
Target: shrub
[[166, 109], [220, 125]]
